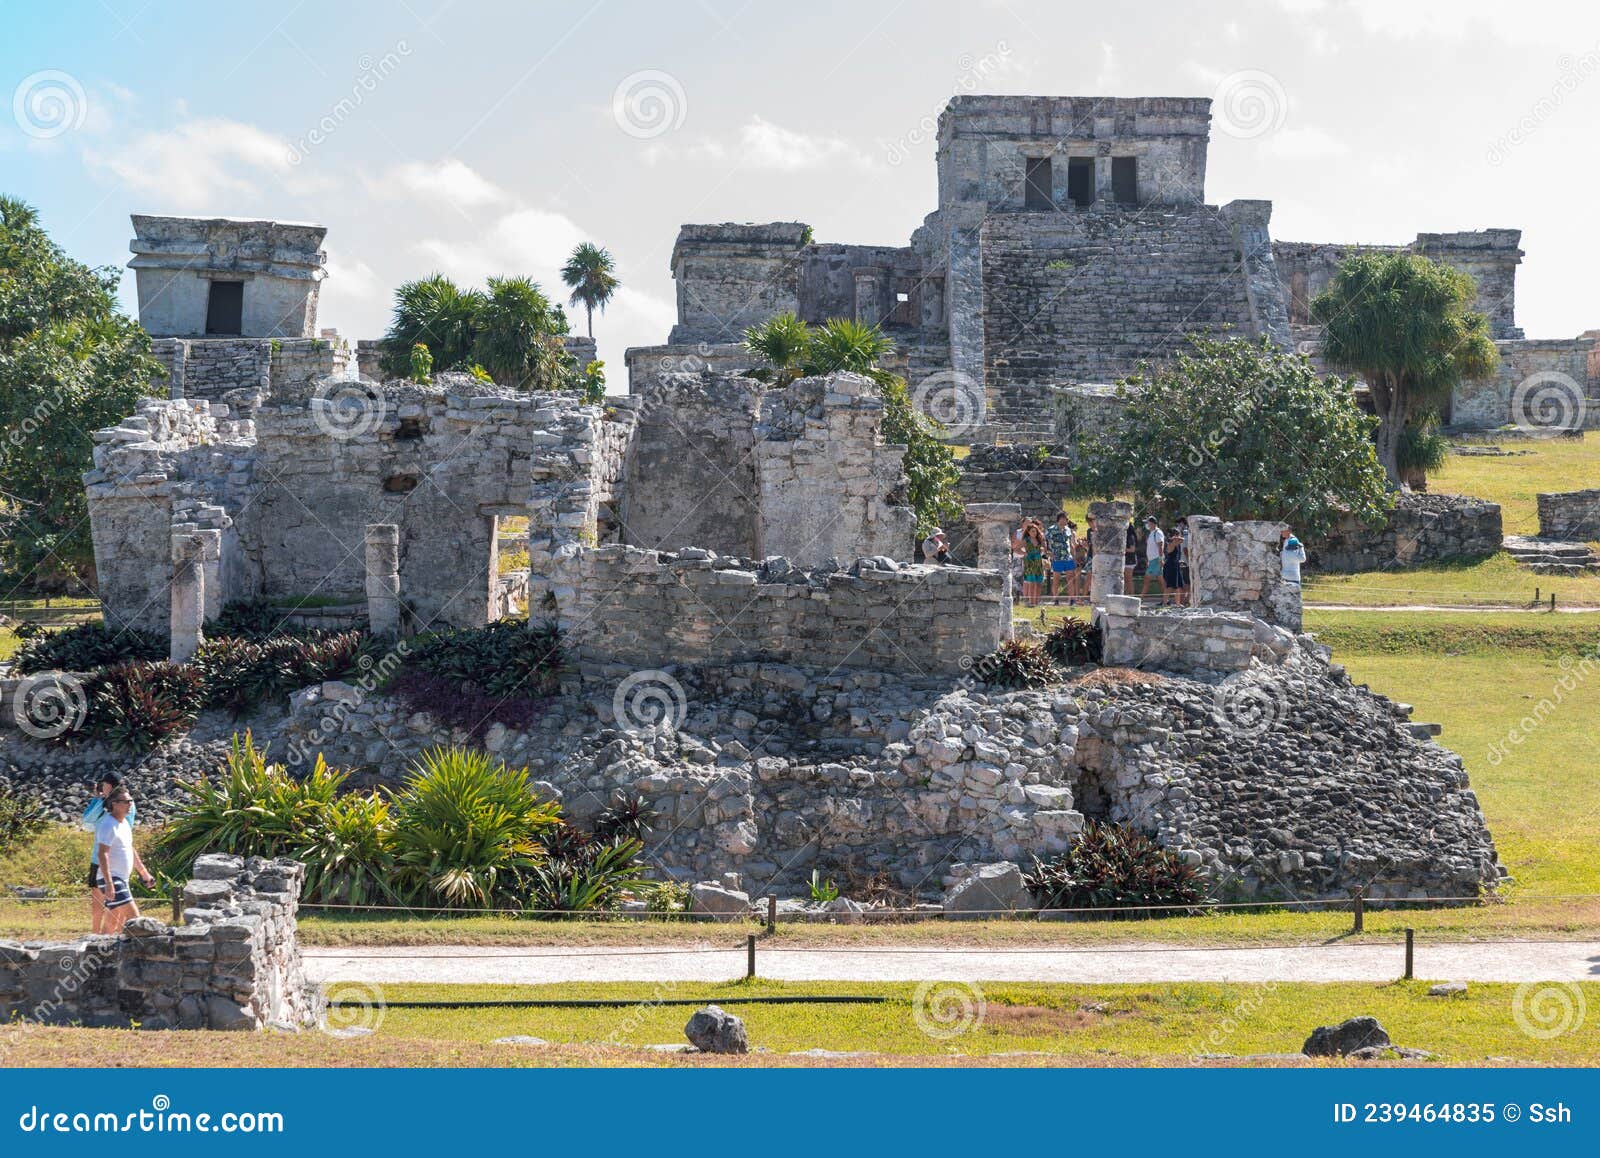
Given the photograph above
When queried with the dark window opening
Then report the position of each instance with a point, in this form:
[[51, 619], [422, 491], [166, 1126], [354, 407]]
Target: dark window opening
[[225, 308], [411, 429], [1037, 192], [401, 484], [1080, 181], [1125, 180]]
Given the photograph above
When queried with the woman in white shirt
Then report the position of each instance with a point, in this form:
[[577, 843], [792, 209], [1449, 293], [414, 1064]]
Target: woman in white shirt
[[118, 859]]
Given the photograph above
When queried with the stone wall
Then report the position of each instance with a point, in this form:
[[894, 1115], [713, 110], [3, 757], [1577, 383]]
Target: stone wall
[[293, 492], [1422, 529], [1540, 383], [1092, 314], [729, 465], [646, 609], [233, 962], [240, 372], [1238, 567], [1570, 515], [1008, 474], [731, 277], [648, 365], [1190, 640]]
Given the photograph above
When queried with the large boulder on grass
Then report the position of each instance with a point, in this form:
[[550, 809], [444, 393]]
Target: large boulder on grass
[[714, 1030], [987, 892], [1358, 1033]]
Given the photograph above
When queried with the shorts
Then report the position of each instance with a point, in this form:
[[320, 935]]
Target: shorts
[[1153, 568], [121, 894], [1060, 566]]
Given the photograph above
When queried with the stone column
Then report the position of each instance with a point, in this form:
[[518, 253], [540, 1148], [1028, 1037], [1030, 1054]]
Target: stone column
[[1110, 542], [211, 565], [188, 595], [994, 523], [383, 580]]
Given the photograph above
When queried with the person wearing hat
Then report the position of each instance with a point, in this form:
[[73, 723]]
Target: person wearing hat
[[936, 548], [104, 787], [117, 860]]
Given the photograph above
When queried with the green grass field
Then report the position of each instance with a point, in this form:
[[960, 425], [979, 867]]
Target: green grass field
[[1516, 479], [999, 1024]]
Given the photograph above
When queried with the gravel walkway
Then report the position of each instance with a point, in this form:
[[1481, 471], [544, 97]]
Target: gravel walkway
[[1483, 961]]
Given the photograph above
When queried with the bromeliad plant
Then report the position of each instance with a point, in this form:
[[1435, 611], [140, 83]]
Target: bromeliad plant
[[1074, 641], [1112, 866], [1016, 663], [85, 647]]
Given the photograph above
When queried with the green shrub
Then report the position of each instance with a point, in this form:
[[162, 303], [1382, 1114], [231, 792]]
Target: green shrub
[[1074, 641], [505, 658], [135, 706], [240, 674], [252, 619], [1016, 663], [1112, 866], [591, 876], [467, 829], [86, 647], [21, 818], [253, 808]]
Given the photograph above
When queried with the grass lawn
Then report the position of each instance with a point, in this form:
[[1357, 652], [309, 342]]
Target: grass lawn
[[1514, 480], [1496, 581], [60, 612], [1006, 1024]]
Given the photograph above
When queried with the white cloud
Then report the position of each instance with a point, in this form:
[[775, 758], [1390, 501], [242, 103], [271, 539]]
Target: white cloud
[[769, 147], [201, 162], [1303, 142], [448, 181]]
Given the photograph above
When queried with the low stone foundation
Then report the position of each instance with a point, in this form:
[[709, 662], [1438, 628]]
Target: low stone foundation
[[1422, 529], [1238, 567], [1570, 515], [234, 963], [1189, 640]]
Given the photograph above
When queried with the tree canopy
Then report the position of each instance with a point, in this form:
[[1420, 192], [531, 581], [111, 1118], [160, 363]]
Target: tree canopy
[[70, 363], [511, 329], [1241, 430], [1405, 324], [791, 349], [591, 274]]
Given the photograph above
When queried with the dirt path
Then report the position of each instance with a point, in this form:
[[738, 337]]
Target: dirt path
[[1485, 961]]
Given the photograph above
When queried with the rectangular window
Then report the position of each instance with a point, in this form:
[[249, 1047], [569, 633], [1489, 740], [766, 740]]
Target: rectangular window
[[225, 308], [1125, 180], [1037, 193], [1080, 181]]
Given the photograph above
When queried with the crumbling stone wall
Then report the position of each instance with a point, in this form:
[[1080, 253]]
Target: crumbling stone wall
[[240, 372], [1191, 640], [648, 365], [1421, 529], [1540, 382], [1008, 474], [233, 962], [1570, 515], [731, 466], [630, 606], [731, 277], [1239, 567]]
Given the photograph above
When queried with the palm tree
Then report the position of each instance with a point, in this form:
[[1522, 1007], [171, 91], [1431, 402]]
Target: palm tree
[[434, 312], [517, 335], [590, 273]]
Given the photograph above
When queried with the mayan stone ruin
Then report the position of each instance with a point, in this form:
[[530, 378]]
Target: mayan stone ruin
[[739, 557]]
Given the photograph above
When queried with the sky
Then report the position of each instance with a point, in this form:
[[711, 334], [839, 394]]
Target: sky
[[479, 138]]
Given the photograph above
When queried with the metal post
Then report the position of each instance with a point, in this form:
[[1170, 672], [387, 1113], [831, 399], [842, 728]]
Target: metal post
[[750, 964], [1359, 900], [177, 909], [1410, 952], [1536, 599], [1552, 601], [772, 912]]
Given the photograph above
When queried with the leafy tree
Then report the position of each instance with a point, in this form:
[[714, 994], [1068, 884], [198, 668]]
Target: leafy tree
[[1241, 430], [1406, 326], [511, 329], [70, 363], [591, 275], [791, 350]]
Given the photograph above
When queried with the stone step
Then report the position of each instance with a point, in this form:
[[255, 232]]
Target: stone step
[[1551, 556], [1423, 731]]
